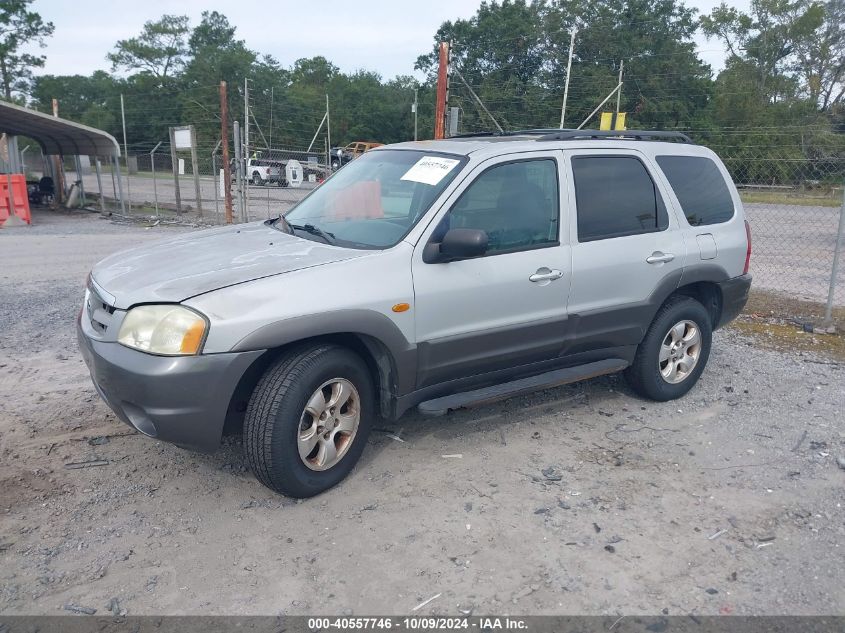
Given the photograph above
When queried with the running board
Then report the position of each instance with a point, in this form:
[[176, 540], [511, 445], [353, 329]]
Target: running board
[[486, 395]]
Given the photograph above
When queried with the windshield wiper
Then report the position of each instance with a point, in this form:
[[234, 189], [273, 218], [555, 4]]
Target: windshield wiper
[[329, 238]]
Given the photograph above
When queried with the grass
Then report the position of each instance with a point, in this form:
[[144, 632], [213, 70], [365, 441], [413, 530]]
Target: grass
[[773, 320], [791, 198]]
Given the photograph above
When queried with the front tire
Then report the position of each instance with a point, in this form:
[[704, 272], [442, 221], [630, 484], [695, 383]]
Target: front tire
[[308, 420], [256, 179], [674, 352]]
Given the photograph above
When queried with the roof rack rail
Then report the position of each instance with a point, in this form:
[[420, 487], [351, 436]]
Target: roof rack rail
[[489, 133], [638, 135]]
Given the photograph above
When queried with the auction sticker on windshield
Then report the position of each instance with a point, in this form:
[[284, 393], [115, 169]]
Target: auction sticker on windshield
[[430, 170]]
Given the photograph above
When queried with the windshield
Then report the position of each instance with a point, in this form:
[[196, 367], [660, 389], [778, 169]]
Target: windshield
[[376, 199]]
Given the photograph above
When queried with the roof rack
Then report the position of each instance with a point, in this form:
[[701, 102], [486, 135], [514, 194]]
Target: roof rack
[[488, 133], [637, 135]]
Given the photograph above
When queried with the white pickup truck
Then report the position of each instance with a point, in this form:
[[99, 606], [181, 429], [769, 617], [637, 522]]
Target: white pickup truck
[[260, 171]]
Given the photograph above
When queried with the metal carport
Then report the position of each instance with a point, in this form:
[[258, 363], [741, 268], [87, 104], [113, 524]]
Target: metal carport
[[61, 137]]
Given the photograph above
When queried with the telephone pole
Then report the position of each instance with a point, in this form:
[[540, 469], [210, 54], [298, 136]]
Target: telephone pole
[[246, 149], [416, 107], [619, 93], [568, 73], [224, 137], [328, 125], [442, 92]]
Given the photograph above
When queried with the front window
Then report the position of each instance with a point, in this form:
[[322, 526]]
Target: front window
[[516, 204], [374, 201]]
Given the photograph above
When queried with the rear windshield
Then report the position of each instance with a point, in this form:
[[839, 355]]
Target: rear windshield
[[375, 200], [700, 188]]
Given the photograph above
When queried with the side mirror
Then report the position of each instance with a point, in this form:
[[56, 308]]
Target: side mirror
[[457, 244]]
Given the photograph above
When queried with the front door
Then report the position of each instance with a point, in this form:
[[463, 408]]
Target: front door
[[507, 308]]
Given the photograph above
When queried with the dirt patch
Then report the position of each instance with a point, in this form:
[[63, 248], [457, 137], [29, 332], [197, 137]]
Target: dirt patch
[[792, 325]]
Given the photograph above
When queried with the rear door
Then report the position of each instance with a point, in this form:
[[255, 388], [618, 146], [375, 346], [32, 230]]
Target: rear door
[[626, 247], [714, 225], [508, 307]]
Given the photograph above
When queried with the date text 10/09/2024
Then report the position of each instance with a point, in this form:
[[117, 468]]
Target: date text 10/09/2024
[[418, 623]]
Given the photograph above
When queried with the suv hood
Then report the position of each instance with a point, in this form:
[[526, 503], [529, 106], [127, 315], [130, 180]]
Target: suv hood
[[176, 269]]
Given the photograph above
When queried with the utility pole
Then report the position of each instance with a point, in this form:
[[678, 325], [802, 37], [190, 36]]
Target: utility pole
[[328, 126], [125, 154], [416, 107], [224, 137], [619, 93], [245, 137], [239, 180], [442, 92], [568, 73]]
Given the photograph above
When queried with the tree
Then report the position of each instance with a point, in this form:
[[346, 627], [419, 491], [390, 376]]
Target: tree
[[768, 41], [90, 100], [215, 54], [820, 60], [19, 27], [514, 55], [159, 50]]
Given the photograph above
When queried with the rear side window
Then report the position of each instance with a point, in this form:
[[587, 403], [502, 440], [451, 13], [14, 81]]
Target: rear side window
[[700, 188], [615, 196]]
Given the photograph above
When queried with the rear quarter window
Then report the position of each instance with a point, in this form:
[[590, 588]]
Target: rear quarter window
[[700, 188]]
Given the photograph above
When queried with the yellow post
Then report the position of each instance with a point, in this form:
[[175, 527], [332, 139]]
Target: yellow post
[[606, 120], [620, 121]]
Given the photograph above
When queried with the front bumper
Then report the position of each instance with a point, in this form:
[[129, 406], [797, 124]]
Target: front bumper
[[178, 399], [734, 298]]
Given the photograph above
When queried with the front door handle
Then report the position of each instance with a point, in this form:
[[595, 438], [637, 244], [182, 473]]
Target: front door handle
[[545, 274], [658, 257]]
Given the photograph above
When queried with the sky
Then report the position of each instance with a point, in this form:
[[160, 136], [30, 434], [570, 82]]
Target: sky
[[385, 36]]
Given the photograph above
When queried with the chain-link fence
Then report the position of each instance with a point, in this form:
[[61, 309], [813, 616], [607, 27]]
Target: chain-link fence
[[794, 206], [791, 186]]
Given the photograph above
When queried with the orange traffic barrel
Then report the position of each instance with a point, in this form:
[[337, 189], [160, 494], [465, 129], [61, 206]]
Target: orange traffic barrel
[[20, 196]]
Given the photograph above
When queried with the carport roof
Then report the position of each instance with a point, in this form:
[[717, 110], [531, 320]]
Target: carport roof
[[55, 135]]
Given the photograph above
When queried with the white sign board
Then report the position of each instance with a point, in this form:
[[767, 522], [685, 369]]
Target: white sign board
[[430, 170], [293, 173], [182, 137]]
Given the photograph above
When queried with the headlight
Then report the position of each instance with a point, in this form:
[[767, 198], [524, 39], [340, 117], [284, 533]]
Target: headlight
[[163, 329]]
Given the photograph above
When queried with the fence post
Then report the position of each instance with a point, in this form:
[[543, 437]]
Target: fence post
[[153, 169], [834, 270], [120, 185], [99, 183]]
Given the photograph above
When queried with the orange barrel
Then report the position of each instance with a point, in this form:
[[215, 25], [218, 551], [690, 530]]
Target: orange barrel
[[19, 194]]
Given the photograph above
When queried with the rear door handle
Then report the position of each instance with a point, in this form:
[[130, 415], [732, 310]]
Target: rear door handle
[[544, 274], [658, 257]]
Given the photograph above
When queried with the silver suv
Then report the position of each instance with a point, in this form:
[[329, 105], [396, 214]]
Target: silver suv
[[435, 274]]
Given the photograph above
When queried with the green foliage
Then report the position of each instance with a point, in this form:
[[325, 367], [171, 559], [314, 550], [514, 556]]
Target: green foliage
[[18, 27], [780, 94], [158, 51]]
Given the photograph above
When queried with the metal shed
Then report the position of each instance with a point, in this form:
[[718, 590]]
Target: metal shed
[[60, 137]]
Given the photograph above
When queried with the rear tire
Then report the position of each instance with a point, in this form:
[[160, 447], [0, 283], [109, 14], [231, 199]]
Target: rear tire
[[674, 352], [256, 179], [279, 416]]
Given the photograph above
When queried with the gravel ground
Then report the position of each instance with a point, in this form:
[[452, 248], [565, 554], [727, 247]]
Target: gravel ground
[[580, 499]]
